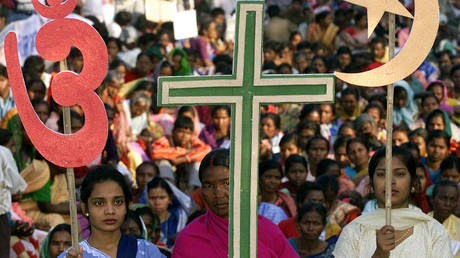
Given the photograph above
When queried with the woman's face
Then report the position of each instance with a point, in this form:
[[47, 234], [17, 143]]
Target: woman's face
[[349, 103], [438, 92], [113, 49], [166, 71], [333, 170], [437, 150], [144, 175], [60, 242], [314, 116], [420, 141], [42, 111], [429, 105], [401, 99], [341, 157], [436, 123], [400, 184], [319, 65], [269, 128], [215, 184], [221, 119], [287, 150], [144, 65], [159, 200], [451, 174], [311, 225], [130, 227], [122, 70], [212, 31], [297, 174], [270, 181], [106, 206], [421, 179], [358, 154], [148, 222], [317, 151], [399, 138], [327, 114]]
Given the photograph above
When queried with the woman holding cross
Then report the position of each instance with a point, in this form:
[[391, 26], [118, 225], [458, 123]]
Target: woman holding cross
[[412, 233]]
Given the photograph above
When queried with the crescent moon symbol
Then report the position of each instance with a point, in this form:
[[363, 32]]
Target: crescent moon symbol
[[411, 56]]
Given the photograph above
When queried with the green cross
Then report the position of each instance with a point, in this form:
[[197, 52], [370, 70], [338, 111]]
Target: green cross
[[245, 91]]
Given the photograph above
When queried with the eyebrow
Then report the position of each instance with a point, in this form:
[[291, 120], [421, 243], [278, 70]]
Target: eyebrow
[[102, 198]]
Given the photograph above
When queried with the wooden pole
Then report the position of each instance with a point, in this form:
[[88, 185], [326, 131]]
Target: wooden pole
[[70, 175], [389, 124]]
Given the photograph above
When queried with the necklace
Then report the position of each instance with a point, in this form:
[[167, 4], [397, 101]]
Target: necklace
[[403, 236]]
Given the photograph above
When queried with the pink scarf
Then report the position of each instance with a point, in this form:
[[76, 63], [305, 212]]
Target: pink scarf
[[207, 236]]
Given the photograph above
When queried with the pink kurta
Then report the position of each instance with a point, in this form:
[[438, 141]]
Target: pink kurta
[[207, 236]]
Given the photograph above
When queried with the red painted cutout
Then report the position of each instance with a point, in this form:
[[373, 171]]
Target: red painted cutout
[[53, 42]]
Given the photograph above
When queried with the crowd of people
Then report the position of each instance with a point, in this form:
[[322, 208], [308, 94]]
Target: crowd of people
[[161, 185]]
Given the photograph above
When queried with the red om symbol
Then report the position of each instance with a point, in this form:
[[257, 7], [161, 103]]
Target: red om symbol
[[53, 42]]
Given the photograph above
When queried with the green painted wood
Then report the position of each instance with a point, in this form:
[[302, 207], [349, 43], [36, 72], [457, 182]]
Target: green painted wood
[[245, 92]]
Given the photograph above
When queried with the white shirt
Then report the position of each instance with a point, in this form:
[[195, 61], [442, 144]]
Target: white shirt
[[10, 180]]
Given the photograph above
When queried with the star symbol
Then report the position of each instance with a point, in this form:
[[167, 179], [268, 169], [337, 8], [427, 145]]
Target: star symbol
[[376, 9]]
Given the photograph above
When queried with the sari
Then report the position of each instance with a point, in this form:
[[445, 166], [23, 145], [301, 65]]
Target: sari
[[287, 203], [128, 247], [207, 236], [327, 253], [429, 237]]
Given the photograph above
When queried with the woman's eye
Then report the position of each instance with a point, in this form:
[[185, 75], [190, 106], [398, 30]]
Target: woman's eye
[[119, 202], [98, 203]]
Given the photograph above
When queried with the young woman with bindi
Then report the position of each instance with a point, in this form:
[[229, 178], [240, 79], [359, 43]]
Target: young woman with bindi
[[207, 236], [56, 242], [217, 135], [270, 174], [317, 149], [358, 153], [311, 221], [438, 144], [105, 197], [295, 169], [411, 233]]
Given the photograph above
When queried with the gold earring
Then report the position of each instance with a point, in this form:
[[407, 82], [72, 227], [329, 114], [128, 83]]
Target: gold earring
[[412, 190], [87, 214]]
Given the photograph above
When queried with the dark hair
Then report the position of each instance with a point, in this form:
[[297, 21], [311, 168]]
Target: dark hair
[[324, 164], [185, 109], [310, 125], [428, 95], [294, 159], [378, 40], [420, 132], [219, 107], [404, 155], [435, 134], [351, 91], [158, 182], [117, 42], [183, 122], [312, 207], [433, 114], [273, 10], [217, 11], [217, 157], [284, 65], [195, 215], [59, 228], [123, 18], [308, 109], [402, 128], [450, 162], [343, 50], [148, 211], [3, 72], [409, 146], [317, 137], [148, 164], [290, 138], [73, 114], [305, 189], [340, 142], [454, 69], [100, 174], [373, 105], [132, 215], [321, 16], [329, 182], [5, 136], [444, 183], [34, 63], [356, 140], [346, 124], [275, 117], [35, 80], [266, 165]]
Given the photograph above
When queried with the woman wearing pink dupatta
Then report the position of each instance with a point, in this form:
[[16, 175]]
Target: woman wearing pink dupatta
[[207, 236]]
